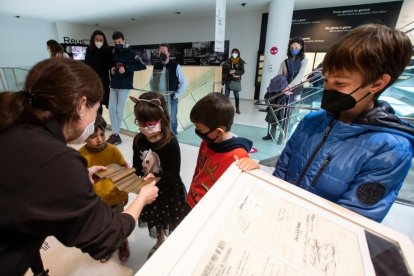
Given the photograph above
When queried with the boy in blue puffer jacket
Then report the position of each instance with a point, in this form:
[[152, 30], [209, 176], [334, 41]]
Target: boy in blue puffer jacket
[[356, 152]]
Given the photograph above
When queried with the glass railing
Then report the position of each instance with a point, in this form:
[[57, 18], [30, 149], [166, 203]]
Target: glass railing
[[185, 103], [12, 79]]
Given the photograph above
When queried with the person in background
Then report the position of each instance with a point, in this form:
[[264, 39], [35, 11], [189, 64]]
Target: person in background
[[233, 69], [52, 184], [157, 153], [356, 152], [99, 153], [99, 57], [213, 117], [294, 69], [56, 50], [164, 70], [125, 62]]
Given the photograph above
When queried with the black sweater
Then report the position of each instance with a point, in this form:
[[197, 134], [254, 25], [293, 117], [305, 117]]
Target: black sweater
[[45, 190]]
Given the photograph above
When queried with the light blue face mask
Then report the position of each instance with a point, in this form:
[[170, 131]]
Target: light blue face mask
[[294, 52]]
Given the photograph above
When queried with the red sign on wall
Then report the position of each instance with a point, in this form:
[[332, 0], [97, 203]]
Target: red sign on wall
[[273, 50]]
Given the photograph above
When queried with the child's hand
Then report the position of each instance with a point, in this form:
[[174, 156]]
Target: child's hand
[[246, 163], [149, 193], [149, 175], [92, 170]]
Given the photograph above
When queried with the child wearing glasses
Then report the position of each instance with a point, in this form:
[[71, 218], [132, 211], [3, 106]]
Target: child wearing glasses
[[157, 153], [97, 152]]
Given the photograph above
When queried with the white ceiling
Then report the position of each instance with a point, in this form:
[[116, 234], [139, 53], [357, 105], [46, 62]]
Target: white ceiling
[[115, 14]]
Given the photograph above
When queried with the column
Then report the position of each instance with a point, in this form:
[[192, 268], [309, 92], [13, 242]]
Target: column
[[277, 39]]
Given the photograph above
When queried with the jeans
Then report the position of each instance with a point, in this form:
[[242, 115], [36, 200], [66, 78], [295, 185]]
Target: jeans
[[117, 100], [236, 94], [173, 115]]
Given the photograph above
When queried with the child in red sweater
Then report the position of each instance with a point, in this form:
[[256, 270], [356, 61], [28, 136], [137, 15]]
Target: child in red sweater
[[213, 117]]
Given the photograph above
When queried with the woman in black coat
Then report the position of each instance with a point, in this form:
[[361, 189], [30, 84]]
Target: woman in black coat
[[99, 57]]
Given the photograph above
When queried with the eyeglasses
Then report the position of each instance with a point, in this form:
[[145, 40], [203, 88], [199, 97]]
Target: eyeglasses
[[147, 124], [155, 102]]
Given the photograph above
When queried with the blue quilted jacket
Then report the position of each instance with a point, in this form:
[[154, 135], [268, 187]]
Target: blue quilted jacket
[[360, 166]]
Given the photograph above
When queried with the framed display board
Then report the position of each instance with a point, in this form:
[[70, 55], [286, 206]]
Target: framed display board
[[251, 223]]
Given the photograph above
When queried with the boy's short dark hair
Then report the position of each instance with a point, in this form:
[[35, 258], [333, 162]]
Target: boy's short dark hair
[[165, 45], [371, 50], [100, 122], [117, 35], [214, 110]]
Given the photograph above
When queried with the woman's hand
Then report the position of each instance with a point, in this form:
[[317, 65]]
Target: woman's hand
[[92, 170], [148, 193]]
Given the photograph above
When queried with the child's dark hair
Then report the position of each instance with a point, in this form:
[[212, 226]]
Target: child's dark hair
[[214, 110], [370, 50], [118, 35], [151, 107], [100, 122]]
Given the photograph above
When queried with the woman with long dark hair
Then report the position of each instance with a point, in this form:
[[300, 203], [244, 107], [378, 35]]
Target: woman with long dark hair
[[293, 68], [99, 57]]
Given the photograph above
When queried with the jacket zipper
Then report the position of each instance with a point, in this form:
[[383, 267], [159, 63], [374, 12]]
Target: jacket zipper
[[325, 137], [323, 167]]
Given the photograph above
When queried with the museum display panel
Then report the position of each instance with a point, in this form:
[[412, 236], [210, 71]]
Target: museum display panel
[[255, 224]]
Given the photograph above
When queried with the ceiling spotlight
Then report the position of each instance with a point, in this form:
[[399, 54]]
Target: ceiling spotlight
[[17, 16], [177, 12], [243, 4]]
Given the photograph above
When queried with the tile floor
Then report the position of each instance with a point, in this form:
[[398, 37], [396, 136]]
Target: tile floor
[[61, 260]]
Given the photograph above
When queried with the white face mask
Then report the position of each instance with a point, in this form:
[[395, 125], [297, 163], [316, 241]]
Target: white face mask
[[234, 55], [98, 44], [88, 131], [149, 131]]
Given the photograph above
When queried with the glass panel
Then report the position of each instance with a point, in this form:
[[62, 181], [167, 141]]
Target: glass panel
[[12, 79]]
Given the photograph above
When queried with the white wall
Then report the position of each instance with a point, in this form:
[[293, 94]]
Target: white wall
[[242, 30], [79, 33], [24, 41]]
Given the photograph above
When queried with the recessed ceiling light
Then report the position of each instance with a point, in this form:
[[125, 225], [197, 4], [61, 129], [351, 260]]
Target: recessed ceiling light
[[17, 16], [177, 12]]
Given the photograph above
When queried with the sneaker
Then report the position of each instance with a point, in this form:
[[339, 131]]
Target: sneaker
[[114, 139], [124, 251], [267, 137]]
